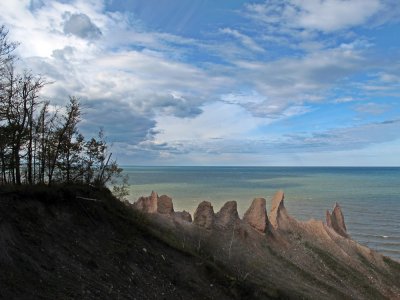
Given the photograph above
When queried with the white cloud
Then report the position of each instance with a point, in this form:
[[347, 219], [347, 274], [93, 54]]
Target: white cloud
[[157, 102], [389, 77], [241, 142], [344, 99], [147, 78], [295, 81], [244, 39], [251, 97], [372, 108], [320, 15], [218, 121], [385, 83], [332, 15], [122, 86], [106, 68]]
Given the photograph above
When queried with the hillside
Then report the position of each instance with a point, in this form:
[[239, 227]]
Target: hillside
[[283, 257], [55, 245], [77, 242]]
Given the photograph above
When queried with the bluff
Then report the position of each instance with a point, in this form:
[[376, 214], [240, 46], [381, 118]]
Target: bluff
[[284, 257], [79, 242]]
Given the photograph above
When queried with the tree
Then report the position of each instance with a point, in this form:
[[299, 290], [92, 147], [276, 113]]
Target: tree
[[96, 159], [6, 49], [43, 132], [9, 115], [19, 102], [63, 138], [29, 90], [38, 142]]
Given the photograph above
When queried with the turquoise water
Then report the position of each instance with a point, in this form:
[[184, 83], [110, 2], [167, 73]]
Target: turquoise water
[[370, 197]]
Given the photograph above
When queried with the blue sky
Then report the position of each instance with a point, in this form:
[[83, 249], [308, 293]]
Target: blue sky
[[216, 82]]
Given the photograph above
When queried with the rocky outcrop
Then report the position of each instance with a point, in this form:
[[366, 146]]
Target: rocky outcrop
[[165, 205], [228, 215], [328, 218], [183, 216], [162, 205], [256, 215], [147, 204], [334, 265], [336, 221], [204, 215], [339, 218], [278, 215]]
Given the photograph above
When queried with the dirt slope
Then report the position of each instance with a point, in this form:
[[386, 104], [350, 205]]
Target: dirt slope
[[59, 243], [54, 245]]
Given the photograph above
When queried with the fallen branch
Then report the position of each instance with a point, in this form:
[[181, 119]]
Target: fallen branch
[[88, 199]]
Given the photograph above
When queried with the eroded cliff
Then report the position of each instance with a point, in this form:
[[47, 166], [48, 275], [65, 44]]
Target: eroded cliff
[[282, 255]]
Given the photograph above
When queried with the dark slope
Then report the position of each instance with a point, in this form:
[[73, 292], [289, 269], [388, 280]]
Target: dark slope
[[54, 245]]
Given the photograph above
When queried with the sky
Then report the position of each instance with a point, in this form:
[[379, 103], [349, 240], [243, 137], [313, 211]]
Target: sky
[[218, 82]]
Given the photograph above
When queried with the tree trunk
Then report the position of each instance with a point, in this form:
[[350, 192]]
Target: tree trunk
[[29, 162], [3, 168], [68, 166], [17, 165]]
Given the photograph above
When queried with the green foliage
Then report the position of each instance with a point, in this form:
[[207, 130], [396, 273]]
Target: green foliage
[[121, 191], [43, 146]]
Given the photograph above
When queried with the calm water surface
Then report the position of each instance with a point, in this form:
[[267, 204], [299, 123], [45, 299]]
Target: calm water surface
[[370, 197]]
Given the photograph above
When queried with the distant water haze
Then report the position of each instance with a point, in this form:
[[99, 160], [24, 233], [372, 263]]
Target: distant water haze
[[369, 197]]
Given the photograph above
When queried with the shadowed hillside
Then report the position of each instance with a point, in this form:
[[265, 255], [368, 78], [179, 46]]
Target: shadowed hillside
[[59, 243], [76, 242]]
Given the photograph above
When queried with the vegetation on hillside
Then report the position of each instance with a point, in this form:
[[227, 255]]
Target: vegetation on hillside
[[39, 142]]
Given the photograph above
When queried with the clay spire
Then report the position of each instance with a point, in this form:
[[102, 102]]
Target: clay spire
[[204, 215], [147, 204], [278, 211], [165, 205], [228, 214], [256, 215], [336, 221]]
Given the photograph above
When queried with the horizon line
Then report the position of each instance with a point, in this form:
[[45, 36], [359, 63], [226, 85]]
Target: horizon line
[[252, 166]]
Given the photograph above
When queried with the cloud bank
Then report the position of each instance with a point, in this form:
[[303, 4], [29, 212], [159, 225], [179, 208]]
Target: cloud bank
[[267, 79]]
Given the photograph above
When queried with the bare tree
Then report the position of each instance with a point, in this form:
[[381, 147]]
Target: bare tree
[[20, 93], [29, 90], [6, 49], [39, 144], [9, 114], [64, 134]]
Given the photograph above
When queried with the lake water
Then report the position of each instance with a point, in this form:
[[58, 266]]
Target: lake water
[[369, 197]]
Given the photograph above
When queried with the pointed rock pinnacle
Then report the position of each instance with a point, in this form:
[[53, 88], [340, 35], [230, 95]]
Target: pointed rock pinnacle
[[204, 215], [147, 204], [165, 205], [337, 221], [328, 218], [278, 211], [256, 215], [228, 214]]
